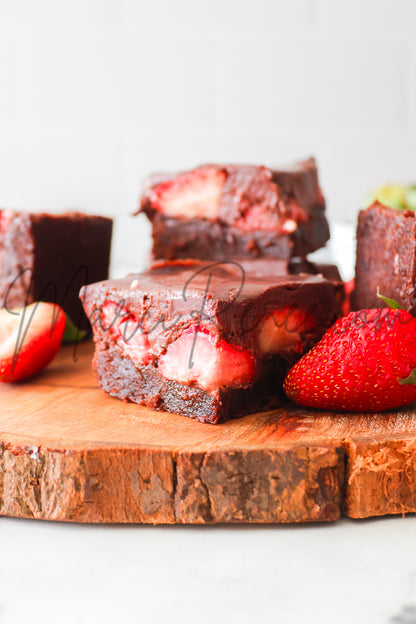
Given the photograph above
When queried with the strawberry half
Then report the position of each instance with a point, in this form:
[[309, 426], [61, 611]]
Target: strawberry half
[[283, 330], [365, 362], [192, 194], [30, 338], [200, 357]]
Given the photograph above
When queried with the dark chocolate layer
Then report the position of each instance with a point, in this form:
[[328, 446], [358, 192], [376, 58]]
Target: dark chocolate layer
[[271, 267], [175, 238], [176, 294]]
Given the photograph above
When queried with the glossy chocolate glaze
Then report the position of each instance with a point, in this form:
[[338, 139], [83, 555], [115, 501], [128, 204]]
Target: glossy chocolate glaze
[[235, 301]]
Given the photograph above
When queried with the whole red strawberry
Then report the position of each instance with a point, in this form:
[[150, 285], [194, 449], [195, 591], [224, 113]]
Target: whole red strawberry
[[365, 362]]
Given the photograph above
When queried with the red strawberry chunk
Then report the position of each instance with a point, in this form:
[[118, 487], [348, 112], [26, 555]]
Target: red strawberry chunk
[[127, 331], [112, 315], [135, 343], [193, 194], [199, 357], [358, 364], [284, 330], [259, 217], [265, 216]]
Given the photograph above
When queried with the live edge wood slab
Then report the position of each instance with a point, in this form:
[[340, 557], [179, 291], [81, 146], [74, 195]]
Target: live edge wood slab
[[69, 452]]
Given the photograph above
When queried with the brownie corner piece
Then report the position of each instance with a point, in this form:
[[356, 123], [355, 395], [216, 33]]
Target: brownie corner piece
[[224, 211], [385, 257], [205, 340], [49, 257]]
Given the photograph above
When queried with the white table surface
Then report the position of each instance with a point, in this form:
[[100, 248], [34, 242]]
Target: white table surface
[[359, 572]]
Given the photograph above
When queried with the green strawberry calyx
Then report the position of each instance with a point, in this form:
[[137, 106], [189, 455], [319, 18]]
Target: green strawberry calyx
[[390, 302], [72, 332], [411, 379]]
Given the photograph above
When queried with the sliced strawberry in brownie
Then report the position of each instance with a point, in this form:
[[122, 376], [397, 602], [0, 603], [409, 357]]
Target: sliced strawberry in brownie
[[202, 358], [283, 329], [192, 194]]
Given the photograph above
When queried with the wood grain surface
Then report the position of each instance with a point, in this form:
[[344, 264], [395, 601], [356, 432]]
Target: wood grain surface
[[70, 452]]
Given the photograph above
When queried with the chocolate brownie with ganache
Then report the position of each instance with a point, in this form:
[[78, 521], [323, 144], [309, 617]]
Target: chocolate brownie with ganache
[[48, 257], [206, 340], [217, 212], [385, 258]]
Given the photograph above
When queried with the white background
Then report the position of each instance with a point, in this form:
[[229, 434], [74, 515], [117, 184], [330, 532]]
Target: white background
[[95, 94], [350, 572]]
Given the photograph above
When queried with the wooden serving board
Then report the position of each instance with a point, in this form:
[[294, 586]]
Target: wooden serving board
[[70, 452]]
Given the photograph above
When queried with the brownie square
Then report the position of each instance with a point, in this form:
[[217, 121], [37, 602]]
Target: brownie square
[[386, 258], [217, 212], [48, 257], [207, 340]]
